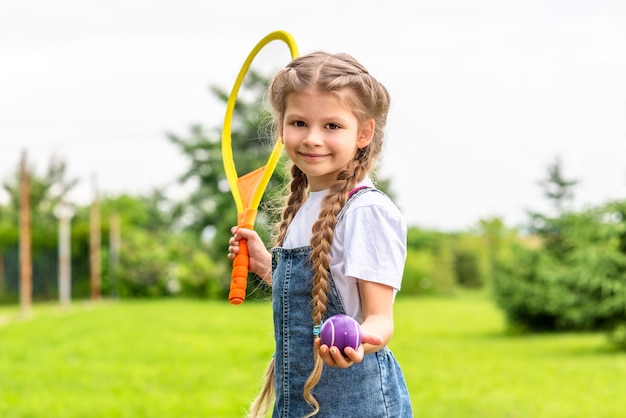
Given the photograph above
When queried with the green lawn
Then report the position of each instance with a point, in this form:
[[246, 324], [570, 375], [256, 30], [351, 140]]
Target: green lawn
[[177, 358], [460, 363]]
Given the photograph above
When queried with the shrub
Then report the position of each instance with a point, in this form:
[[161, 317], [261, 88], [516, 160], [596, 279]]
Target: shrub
[[144, 266], [199, 277], [575, 281]]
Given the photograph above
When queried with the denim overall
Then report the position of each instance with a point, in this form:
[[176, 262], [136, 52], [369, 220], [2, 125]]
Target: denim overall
[[370, 389]]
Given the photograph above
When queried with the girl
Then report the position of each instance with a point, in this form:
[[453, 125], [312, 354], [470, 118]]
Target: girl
[[340, 246]]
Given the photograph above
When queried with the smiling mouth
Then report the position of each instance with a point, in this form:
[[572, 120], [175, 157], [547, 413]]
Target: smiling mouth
[[312, 156]]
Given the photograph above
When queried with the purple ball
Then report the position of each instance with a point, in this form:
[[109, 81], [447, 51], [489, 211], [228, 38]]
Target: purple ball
[[341, 331]]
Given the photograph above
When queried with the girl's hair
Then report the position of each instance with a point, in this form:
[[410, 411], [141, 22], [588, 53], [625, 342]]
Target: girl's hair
[[337, 74]]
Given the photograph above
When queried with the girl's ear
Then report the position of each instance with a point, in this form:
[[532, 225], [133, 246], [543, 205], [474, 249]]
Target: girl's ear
[[365, 135], [280, 134]]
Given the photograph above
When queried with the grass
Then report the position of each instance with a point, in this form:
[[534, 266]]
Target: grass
[[134, 359], [460, 362], [180, 358]]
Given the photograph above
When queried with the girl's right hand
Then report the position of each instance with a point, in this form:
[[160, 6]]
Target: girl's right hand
[[259, 259], [334, 358]]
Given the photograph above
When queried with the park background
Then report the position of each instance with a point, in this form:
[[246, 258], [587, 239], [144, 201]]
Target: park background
[[510, 118]]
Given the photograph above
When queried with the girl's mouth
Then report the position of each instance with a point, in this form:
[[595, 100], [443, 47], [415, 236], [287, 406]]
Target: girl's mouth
[[312, 156]]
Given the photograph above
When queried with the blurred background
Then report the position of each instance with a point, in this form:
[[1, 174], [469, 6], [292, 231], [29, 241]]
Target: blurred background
[[485, 93], [504, 150]]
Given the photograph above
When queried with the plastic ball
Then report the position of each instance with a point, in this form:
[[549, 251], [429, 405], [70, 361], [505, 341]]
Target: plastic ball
[[341, 331]]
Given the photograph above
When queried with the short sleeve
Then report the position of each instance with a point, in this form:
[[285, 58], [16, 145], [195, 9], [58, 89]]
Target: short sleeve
[[374, 240]]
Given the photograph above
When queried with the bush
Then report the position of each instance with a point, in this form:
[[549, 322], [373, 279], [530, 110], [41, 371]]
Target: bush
[[467, 269], [152, 265], [198, 276], [575, 281], [144, 266], [417, 279]]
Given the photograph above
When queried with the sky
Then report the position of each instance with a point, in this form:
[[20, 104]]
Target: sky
[[485, 93]]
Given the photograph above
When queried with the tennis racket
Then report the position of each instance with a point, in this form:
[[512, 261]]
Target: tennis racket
[[248, 189]]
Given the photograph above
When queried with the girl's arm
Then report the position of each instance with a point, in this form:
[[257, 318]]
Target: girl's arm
[[377, 327], [377, 306], [259, 259]]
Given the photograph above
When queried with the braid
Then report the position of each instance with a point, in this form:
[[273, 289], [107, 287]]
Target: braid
[[323, 233], [295, 199], [321, 241]]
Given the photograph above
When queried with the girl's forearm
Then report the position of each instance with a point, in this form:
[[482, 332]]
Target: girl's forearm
[[266, 274], [380, 325], [264, 268]]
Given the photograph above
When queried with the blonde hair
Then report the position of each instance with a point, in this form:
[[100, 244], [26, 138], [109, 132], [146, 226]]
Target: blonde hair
[[337, 74]]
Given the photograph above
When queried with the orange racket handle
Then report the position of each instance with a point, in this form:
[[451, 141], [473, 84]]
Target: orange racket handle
[[239, 275]]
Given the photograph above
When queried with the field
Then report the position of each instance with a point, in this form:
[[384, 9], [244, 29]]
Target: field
[[181, 358]]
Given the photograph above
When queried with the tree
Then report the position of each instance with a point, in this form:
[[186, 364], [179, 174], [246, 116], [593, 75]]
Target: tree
[[557, 189], [574, 276], [151, 211], [209, 210], [46, 191]]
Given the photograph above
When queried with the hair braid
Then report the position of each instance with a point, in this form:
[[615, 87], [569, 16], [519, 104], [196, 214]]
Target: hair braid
[[297, 196], [321, 241], [295, 199]]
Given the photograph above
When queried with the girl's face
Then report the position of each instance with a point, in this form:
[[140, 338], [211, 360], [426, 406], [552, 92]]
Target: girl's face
[[321, 135]]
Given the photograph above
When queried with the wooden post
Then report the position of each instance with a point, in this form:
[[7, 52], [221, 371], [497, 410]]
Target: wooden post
[[26, 267], [94, 250], [64, 212]]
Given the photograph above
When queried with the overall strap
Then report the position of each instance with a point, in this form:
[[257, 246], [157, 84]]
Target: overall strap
[[352, 195], [356, 190]]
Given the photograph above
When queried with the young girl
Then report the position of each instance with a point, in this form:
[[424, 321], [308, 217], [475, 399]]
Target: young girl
[[340, 247]]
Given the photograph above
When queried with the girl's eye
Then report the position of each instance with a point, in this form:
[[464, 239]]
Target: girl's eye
[[332, 126], [298, 123]]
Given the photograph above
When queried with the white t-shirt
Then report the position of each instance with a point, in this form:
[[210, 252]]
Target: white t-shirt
[[369, 243]]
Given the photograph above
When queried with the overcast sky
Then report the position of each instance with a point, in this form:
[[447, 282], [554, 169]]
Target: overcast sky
[[485, 93]]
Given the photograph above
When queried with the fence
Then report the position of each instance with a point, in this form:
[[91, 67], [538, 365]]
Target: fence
[[45, 273]]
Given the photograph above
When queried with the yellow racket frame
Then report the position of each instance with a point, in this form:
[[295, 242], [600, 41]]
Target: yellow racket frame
[[248, 189]]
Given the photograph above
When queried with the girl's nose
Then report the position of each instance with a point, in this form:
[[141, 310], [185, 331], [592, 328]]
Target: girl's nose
[[313, 137]]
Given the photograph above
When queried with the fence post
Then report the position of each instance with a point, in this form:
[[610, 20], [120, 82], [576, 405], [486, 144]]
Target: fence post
[[65, 212]]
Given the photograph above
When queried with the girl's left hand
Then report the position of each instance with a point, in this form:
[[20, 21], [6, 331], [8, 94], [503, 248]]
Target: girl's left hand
[[333, 357]]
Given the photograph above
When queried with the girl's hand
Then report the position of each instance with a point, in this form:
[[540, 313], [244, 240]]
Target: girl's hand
[[259, 259], [332, 355]]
